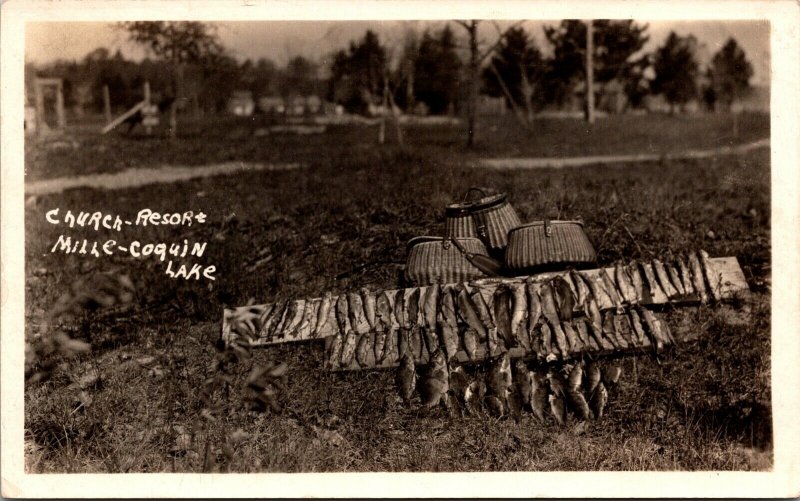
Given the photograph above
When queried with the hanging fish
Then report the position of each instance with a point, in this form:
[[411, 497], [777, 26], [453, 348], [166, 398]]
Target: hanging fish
[[587, 339], [611, 374], [577, 402], [652, 328], [712, 276], [558, 407], [275, 318], [286, 317], [534, 305], [598, 400], [323, 313], [385, 346], [652, 284], [469, 312], [349, 348], [597, 288], [596, 330], [307, 323], [575, 377], [495, 405], [624, 284], [663, 278], [638, 330], [417, 344], [697, 277], [379, 345], [539, 400], [342, 315], [637, 281], [448, 323], [483, 311], [557, 384], [405, 378], [523, 382], [611, 289], [412, 316], [623, 328], [547, 342], [593, 377], [334, 351], [293, 321], [430, 307], [457, 387], [686, 276], [564, 298], [502, 316], [519, 312], [434, 384], [581, 289], [404, 343], [675, 278], [551, 314], [400, 309], [365, 351], [473, 397], [575, 343], [470, 338], [368, 300], [358, 319], [499, 380], [610, 331]]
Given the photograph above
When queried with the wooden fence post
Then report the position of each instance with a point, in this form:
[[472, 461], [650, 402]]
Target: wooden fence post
[[107, 103]]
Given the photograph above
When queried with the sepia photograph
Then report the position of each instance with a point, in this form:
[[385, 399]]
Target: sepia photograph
[[390, 245]]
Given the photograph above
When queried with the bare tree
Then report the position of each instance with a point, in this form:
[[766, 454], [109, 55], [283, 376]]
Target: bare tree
[[589, 58], [476, 58], [179, 43]]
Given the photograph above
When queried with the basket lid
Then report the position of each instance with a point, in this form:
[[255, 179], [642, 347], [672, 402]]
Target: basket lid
[[542, 223], [428, 238], [470, 207]]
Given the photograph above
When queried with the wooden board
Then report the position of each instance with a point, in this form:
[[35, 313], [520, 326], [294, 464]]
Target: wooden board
[[731, 281]]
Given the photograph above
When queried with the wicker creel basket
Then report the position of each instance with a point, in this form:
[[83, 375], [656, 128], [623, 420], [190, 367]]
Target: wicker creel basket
[[489, 218], [547, 244], [434, 260]]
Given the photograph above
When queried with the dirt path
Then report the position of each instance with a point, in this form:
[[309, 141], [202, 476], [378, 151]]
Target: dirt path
[[558, 163], [131, 178]]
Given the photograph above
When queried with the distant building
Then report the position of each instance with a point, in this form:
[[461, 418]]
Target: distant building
[[272, 105], [241, 103], [488, 105]]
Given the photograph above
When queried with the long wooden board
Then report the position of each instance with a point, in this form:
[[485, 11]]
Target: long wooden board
[[731, 281]]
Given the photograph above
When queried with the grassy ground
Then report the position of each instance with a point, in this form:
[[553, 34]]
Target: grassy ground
[[288, 234]]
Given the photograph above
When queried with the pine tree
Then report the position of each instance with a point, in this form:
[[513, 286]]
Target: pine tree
[[729, 74], [676, 70]]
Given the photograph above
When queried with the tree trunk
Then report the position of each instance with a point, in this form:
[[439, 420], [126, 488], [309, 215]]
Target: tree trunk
[[589, 72], [472, 101], [517, 111]]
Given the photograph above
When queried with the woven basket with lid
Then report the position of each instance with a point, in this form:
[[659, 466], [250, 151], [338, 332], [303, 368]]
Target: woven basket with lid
[[489, 218], [548, 243], [436, 260]]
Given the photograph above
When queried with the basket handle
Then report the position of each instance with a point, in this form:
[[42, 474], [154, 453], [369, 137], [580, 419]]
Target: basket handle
[[474, 188]]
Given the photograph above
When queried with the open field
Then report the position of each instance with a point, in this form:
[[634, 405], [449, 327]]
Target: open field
[[276, 235]]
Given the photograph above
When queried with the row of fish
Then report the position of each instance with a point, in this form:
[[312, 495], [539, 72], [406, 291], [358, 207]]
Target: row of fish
[[581, 391], [495, 316], [470, 324]]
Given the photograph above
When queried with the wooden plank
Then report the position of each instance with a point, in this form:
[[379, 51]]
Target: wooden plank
[[138, 106], [731, 282]]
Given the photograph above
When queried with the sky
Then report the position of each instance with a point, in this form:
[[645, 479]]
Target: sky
[[315, 40]]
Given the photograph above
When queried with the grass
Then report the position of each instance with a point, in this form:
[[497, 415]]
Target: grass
[[704, 407]]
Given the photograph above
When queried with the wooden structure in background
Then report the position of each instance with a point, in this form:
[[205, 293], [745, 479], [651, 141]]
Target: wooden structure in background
[[39, 85], [144, 106]]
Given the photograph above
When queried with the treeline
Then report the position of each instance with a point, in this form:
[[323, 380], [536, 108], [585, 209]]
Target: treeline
[[433, 71], [205, 85]]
